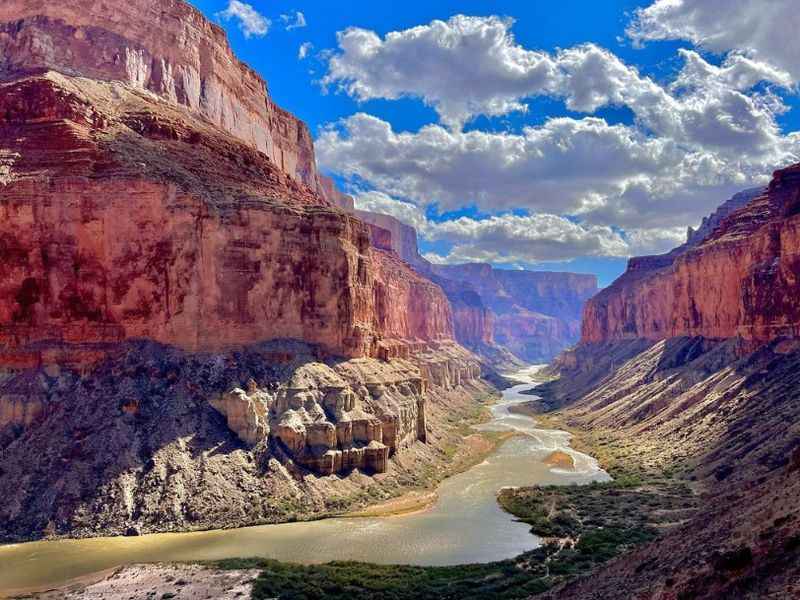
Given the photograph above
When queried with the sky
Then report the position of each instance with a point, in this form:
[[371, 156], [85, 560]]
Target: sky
[[538, 134]]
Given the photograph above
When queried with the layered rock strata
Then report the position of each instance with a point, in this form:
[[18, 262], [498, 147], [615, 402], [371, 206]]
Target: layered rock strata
[[740, 281], [151, 190], [534, 315], [153, 438], [689, 363], [217, 247], [332, 419], [167, 48]]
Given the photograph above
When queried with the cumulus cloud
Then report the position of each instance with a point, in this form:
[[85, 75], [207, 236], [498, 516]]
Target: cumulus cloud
[[592, 188], [382, 203], [520, 239], [765, 30], [251, 22], [304, 50], [294, 20], [472, 65], [604, 174]]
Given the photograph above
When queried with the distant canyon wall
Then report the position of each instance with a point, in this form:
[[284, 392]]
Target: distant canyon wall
[[535, 315]]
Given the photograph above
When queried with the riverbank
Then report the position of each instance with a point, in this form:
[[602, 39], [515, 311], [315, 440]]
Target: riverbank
[[464, 526]]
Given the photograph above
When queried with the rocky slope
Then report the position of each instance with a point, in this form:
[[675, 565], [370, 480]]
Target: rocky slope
[[153, 438], [689, 364], [162, 220]]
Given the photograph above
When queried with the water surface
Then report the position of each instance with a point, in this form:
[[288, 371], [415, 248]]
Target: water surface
[[465, 525]]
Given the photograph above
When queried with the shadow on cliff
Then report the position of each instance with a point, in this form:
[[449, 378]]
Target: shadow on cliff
[[133, 444]]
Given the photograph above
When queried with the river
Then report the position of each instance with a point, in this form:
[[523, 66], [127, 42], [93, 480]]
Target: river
[[465, 525]]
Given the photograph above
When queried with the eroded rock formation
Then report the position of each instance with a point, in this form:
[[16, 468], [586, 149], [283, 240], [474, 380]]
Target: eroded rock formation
[[331, 419], [690, 363], [152, 438], [166, 47], [741, 280]]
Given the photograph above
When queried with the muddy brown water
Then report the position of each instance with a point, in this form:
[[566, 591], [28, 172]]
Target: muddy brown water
[[465, 525]]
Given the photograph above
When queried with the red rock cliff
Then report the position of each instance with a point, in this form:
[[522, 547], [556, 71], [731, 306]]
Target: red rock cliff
[[163, 46], [189, 222], [472, 321], [742, 280]]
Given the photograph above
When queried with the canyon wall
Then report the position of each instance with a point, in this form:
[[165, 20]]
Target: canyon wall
[[471, 320], [535, 315], [217, 247], [740, 281], [166, 47], [151, 193]]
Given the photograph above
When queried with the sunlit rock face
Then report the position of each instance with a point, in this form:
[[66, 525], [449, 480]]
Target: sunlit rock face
[[741, 281], [162, 46], [124, 217]]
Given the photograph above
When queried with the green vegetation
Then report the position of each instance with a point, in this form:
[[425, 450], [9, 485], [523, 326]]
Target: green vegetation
[[356, 581]]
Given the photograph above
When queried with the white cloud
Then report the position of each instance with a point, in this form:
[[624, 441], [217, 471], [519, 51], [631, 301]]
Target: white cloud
[[304, 50], [520, 239], [592, 188], [767, 29], [462, 67], [294, 20], [251, 22], [379, 202], [604, 174]]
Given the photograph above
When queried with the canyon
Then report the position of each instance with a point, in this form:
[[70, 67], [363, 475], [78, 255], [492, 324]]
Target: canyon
[[195, 330], [532, 315], [199, 330]]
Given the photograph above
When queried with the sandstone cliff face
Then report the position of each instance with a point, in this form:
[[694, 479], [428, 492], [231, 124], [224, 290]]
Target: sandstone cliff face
[[123, 219], [217, 247], [403, 238], [690, 362], [740, 281], [152, 191], [472, 321], [163, 46]]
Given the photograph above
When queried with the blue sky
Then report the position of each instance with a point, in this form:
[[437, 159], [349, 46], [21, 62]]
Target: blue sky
[[464, 213]]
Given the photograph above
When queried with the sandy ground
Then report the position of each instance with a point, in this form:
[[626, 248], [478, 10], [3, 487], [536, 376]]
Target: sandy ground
[[161, 581], [560, 460]]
